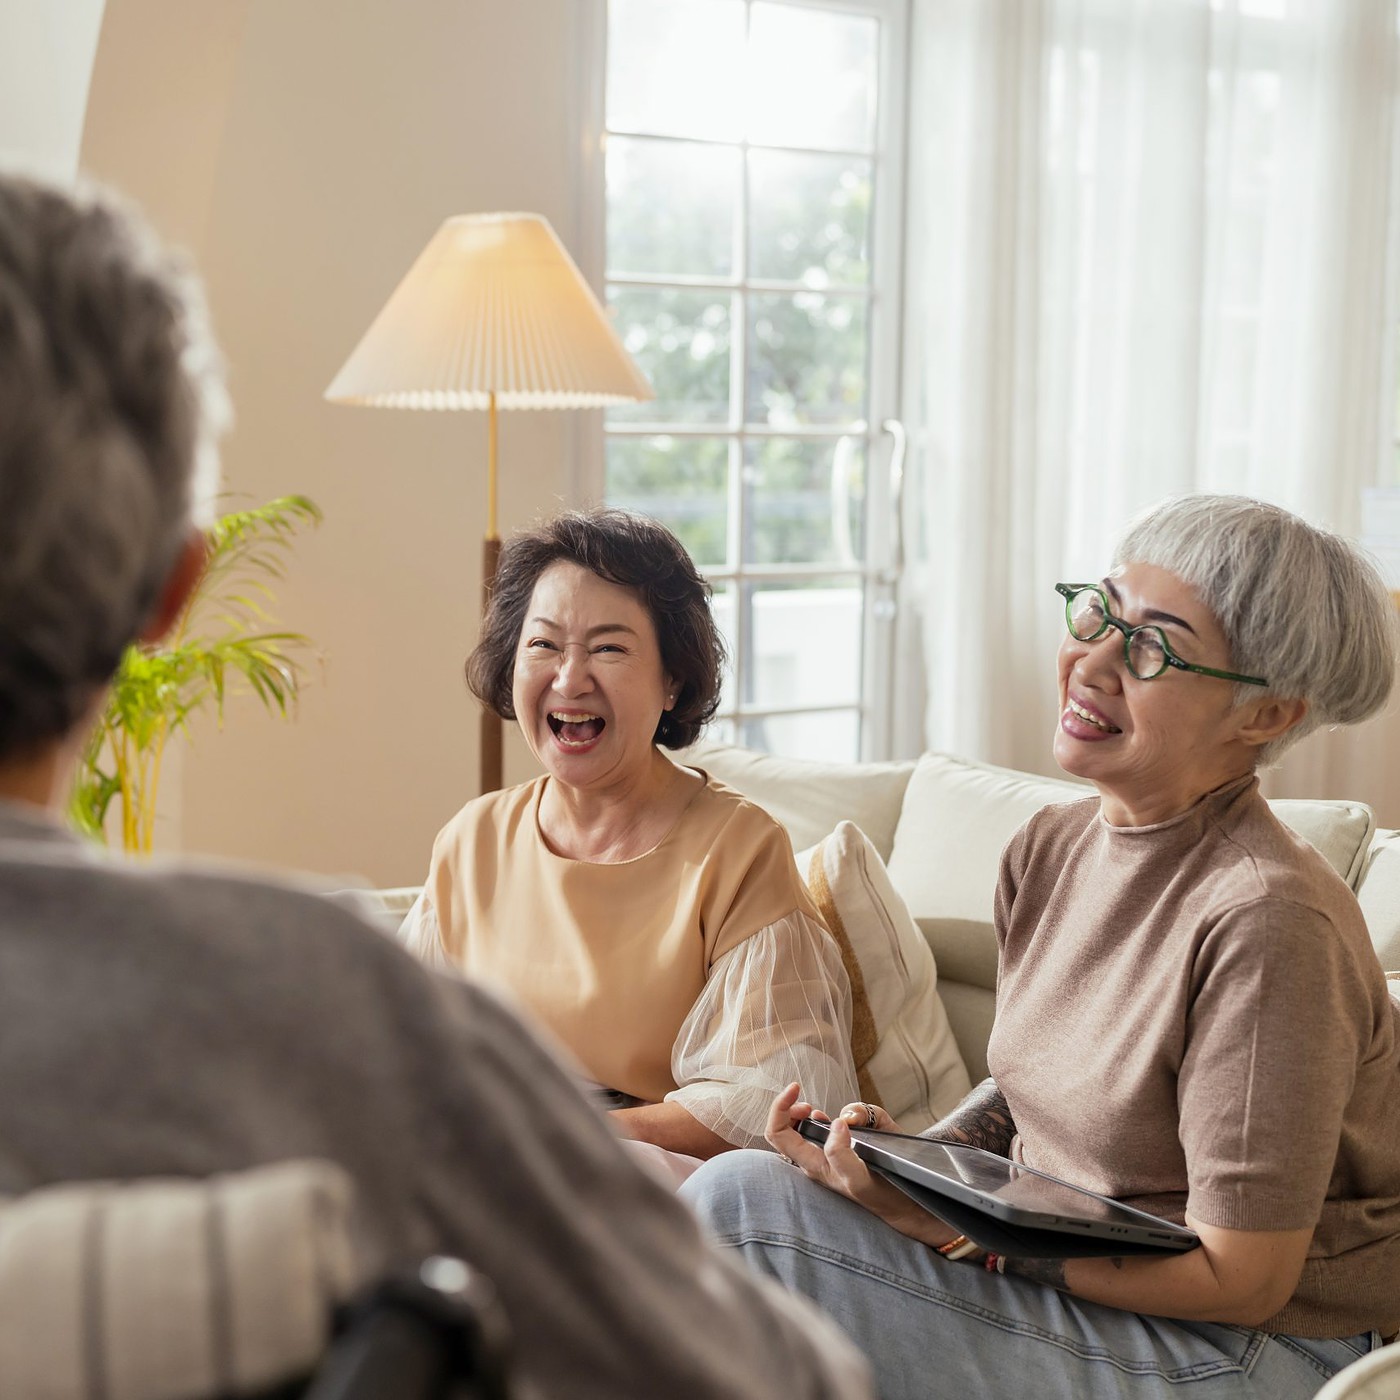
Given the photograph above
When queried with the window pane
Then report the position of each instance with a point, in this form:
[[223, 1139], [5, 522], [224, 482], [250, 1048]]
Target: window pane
[[806, 501], [812, 77], [809, 218], [723, 605], [807, 356], [671, 207], [722, 731], [676, 68], [828, 738], [681, 341], [804, 643], [682, 482]]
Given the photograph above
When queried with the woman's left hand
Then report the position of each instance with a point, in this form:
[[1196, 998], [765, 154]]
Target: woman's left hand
[[836, 1166]]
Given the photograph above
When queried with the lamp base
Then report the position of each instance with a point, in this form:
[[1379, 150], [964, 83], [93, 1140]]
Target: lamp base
[[491, 725]]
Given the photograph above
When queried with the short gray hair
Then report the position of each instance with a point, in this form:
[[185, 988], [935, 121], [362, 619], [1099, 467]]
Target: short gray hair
[[1299, 605], [111, 398]]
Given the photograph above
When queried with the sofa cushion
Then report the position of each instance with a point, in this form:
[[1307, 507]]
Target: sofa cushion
[[958, 815], [905, 1054], [809, 798], [1341, 832], [1380, 898]]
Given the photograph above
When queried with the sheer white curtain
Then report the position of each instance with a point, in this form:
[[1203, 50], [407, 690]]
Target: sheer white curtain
[[1147, 254]]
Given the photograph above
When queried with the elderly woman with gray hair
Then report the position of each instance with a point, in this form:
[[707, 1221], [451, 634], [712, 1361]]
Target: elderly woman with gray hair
[[1190, 1018]]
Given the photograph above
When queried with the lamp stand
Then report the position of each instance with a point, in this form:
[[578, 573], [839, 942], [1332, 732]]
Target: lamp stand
[[491, 727]]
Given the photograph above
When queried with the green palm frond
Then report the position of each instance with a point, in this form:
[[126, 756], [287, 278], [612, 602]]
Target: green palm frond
[[221, 645]]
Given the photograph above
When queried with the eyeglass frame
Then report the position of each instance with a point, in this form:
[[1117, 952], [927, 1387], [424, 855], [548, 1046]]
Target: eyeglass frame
[[1070, 591]]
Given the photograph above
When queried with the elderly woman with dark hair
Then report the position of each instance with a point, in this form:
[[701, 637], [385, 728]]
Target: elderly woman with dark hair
[[1190, 1018], [653, 919]]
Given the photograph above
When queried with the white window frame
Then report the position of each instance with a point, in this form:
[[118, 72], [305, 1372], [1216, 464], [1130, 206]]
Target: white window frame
[[878, 575]]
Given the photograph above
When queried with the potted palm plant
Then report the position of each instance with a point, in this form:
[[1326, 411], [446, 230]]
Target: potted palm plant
[[223, 642]]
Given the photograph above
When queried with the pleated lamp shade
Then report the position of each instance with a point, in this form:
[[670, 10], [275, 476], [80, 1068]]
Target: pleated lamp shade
[[494, 304]]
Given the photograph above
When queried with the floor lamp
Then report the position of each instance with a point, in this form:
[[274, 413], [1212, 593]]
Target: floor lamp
[[494, 314]]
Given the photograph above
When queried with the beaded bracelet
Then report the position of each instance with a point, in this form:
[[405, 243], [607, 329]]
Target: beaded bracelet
[[994, 1263]]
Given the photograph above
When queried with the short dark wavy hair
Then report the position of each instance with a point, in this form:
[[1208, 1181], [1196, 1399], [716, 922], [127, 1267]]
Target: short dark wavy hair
[[636, 553]]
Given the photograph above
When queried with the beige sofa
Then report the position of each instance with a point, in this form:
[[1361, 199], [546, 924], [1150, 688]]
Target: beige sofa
[[940, 824]]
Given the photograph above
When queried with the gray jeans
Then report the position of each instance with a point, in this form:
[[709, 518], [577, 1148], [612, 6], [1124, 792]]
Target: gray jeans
[[931, 1328]]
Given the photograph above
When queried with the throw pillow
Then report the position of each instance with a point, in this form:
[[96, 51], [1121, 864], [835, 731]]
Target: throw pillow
[[906, 1057]]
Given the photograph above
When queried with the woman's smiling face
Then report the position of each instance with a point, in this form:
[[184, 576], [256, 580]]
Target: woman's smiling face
[[1152, 748], [589, 686]]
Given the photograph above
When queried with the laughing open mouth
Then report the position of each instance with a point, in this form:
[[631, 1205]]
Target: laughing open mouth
[[1080, 712], [575, 728]]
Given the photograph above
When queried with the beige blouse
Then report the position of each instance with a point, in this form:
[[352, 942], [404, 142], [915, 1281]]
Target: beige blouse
[[699, 973]]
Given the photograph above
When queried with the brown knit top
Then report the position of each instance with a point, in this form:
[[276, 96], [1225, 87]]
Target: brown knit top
[[1190, 1016]]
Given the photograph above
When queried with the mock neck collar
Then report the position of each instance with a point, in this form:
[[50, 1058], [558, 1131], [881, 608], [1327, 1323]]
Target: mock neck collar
[[1216, 800]]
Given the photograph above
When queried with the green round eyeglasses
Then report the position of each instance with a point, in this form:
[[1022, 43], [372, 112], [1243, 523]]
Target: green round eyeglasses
[[1145, 647]]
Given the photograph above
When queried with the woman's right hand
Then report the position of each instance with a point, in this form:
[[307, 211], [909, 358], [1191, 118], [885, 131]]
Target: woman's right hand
[[837, 1167], [858, 1115]]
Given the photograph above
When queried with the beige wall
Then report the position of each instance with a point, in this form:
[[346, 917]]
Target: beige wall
[[306, 152]]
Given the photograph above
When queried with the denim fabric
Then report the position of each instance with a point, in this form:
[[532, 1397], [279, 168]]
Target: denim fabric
[[933, 1328]]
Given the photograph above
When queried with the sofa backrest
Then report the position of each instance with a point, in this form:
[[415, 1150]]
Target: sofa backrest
[[958, 815], [810, 798], [954, 816]]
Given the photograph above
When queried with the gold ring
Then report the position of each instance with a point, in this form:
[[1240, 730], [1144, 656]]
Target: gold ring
[[871, 1117]]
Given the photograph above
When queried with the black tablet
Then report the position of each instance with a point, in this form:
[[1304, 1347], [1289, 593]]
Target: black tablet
[[1017, 1198]]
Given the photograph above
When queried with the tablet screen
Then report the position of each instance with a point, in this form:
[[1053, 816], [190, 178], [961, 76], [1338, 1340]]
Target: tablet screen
[[1004, 1180]]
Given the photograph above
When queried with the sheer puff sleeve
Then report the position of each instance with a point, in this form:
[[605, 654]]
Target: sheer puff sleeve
[[419, 933], [775, 1008]]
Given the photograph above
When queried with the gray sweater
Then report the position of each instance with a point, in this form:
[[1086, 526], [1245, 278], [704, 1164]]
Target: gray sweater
[[166, 1020]]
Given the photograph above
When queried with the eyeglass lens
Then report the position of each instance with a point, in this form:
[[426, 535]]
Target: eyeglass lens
[[1147, 657], [1086, 615], [1088, 618]]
